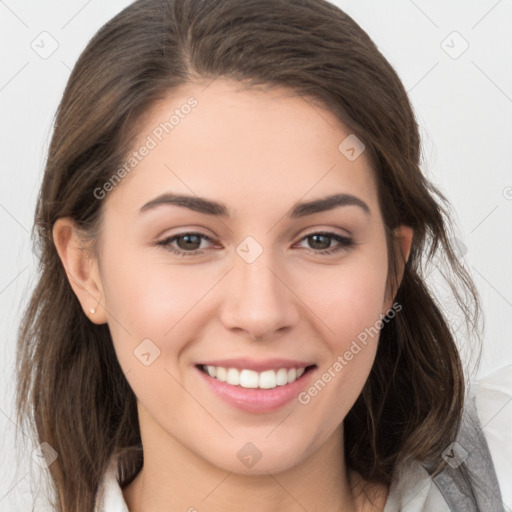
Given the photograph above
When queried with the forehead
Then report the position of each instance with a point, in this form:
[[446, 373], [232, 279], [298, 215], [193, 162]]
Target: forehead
[[243, 147]]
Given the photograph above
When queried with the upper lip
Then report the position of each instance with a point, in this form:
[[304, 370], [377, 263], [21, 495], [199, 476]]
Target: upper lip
[[257, 366]]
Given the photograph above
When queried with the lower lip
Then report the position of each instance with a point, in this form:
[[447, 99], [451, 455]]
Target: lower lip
[[257, 400]]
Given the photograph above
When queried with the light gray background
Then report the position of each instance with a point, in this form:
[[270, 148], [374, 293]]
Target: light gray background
[[463, 100]]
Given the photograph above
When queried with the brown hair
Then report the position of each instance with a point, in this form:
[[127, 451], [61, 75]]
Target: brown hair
[[71, 387]]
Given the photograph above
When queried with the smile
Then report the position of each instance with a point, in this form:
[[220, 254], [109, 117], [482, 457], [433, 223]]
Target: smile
[[246, 378]]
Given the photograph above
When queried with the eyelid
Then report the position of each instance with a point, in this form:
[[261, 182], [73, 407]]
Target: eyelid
[[186, 230], [326, 229]]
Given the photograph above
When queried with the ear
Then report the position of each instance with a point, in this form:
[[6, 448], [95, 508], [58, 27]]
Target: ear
[[403, 236], [81, 268]]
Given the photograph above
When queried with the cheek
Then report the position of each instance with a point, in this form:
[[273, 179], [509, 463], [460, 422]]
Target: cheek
[[157, 301], [350, 298], [149, 298], [349, 303]]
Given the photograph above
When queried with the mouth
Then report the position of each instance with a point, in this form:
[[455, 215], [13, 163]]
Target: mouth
[[255, 391], [252, 379], [256, 386]]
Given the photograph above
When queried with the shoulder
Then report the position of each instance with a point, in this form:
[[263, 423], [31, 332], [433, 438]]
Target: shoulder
[[467, 483], [413, 490], [109, 497]]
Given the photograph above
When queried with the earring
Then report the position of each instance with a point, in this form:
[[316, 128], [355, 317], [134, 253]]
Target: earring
[[93, 310]]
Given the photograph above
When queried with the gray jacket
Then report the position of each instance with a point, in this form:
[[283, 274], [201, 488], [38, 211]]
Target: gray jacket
[[468, 483]]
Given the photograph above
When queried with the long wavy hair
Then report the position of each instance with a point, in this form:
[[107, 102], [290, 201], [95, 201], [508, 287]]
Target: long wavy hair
[[71, 391]]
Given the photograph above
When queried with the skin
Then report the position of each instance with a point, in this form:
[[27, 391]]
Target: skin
[[259, 152]]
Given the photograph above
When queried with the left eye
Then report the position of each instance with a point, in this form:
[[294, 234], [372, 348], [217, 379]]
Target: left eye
[[189, 243], [343, 242]]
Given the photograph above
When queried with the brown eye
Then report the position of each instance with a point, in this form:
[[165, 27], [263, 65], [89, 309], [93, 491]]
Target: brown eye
[[187, 243], [320, 242], [190, 241]]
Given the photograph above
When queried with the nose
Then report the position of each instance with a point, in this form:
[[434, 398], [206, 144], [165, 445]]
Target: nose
[[259, 302]]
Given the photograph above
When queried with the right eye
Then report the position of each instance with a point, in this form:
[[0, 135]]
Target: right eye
[[191, 239]]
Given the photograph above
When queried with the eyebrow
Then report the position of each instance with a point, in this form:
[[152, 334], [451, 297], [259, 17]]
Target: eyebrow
[[210, 207]]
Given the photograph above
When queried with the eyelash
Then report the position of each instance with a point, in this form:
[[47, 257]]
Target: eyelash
[[345, 243]]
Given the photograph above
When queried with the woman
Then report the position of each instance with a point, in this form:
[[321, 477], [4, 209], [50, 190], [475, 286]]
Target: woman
[[232, 310]]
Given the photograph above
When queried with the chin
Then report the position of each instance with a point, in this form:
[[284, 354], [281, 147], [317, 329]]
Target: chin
[[259, 457]]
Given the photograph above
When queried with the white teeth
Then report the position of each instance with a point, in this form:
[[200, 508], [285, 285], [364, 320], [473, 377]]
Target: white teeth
[[282, 377], [233, 377], [268, 379], [221, 373], [248, 379]]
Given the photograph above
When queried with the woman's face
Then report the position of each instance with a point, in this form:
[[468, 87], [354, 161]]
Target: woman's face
[[252, 287]]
